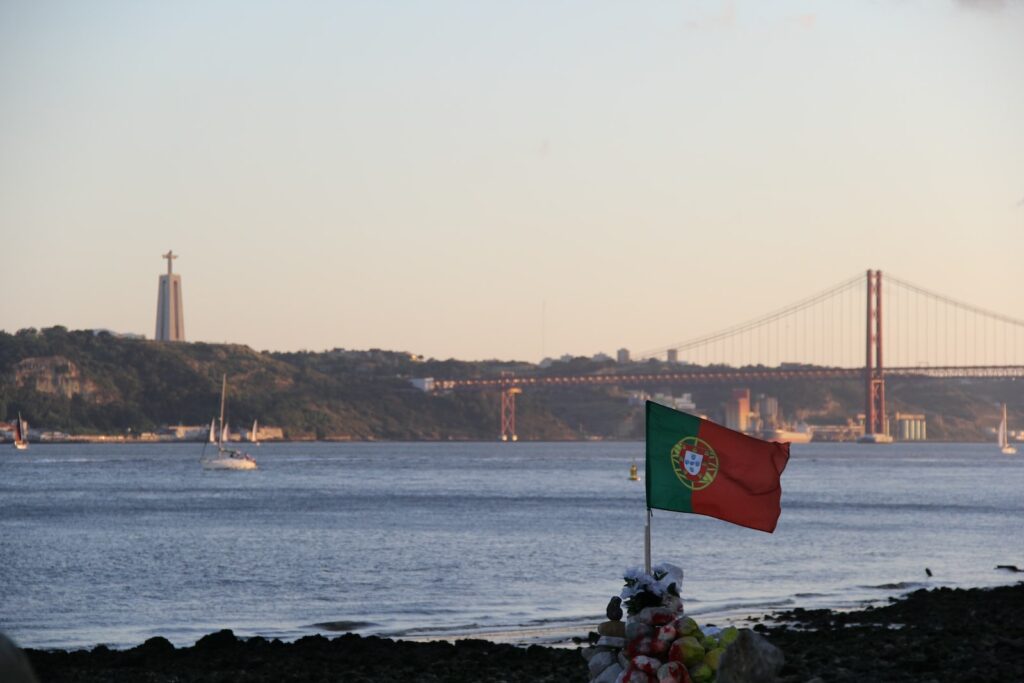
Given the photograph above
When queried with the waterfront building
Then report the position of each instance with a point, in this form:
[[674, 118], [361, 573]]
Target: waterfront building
[[768, 410], [622, 356], [684, 403], [673, 355], [186, 432], [911, 427], [737, 410], [170, 315]]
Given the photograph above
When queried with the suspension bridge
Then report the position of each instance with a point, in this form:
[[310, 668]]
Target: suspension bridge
[[856, 329]]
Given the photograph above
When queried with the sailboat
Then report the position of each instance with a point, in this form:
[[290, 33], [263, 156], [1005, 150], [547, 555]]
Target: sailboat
[[226, 458], [20, 434], [254, 434], [1004, 442]]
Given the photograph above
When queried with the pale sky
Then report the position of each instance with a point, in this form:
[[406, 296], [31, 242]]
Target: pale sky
[[431, 176]]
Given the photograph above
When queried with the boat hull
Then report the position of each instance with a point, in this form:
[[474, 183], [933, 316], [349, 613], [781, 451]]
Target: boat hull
[[875, 438], [229, 464], [786, 435]]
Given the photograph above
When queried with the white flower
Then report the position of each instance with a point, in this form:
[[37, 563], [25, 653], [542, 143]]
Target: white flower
[[657, 582]]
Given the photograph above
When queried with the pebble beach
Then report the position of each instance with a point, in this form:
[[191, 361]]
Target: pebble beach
[[927, 636]]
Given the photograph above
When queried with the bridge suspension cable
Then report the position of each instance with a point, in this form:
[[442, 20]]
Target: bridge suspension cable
[[929, 328], [922, 328], [769, 330], [953, 302]]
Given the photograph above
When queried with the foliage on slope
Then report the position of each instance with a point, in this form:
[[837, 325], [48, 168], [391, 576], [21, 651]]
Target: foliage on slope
[[81, 382]]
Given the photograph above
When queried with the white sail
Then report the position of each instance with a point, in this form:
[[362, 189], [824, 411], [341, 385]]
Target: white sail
[[20, 434], [1003, 436], [223, 398], [255, 431], [213, 430]]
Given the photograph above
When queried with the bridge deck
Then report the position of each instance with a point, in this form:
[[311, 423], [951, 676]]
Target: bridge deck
[[723, 377]]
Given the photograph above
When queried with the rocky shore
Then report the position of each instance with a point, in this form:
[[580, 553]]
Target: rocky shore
[[929, 636], [940, 635]]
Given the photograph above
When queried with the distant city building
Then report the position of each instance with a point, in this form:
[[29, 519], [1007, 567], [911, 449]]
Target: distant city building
[[684, 402], [170, 315], [768, 410], [737, 410], [673, 355], [423, 383], [622, 356], [601, 357], [185, 432], [265, 434], [911, 427]]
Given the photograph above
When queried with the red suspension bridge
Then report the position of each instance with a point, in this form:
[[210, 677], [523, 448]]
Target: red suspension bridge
[[919, 333]]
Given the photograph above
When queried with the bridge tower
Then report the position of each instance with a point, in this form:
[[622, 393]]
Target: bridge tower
[[874, 379], [508, 413]]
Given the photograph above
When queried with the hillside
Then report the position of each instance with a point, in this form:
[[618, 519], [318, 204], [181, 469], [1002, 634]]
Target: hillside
[[86, 383]]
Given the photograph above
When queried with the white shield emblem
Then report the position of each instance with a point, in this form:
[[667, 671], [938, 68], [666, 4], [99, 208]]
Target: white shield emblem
[[692, 462]]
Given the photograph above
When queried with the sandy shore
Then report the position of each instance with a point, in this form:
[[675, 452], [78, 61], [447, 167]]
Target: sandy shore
[[939, 635]]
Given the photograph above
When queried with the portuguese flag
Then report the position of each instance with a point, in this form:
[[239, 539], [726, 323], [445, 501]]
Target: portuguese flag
[[697, 466]]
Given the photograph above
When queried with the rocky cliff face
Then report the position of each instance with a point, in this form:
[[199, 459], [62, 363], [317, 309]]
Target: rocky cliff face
[[57, 376]]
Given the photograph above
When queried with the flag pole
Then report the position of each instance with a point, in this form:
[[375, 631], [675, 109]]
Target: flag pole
[[647, 542]]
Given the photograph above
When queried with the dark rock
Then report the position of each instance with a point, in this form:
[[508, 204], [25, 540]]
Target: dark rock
[[616, 629], [152, 654], [14, 666], [156, 647], [215, 642], [614, 609], [750, 659]]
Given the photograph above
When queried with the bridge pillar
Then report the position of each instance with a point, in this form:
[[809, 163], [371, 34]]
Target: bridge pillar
[[874, 377], [508, 413]]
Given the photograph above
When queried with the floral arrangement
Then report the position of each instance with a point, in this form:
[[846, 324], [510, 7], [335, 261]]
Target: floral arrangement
[[651, 590], [659, 644]]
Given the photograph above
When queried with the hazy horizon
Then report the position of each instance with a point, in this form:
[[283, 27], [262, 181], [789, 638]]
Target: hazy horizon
[[485, 181]]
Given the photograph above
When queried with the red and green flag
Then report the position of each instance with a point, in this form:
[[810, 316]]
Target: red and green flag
[[697, 466]]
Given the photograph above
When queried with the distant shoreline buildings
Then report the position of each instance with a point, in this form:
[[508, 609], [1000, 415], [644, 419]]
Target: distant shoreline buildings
[[169, 434]]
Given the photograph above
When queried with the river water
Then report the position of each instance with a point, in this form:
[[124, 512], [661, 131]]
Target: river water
[[516, 542]]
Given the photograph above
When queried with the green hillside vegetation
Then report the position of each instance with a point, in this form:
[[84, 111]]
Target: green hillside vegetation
[[85, 383]]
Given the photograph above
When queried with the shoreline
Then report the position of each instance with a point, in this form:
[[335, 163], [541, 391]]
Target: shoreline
[[974, 634], [122, 441]]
